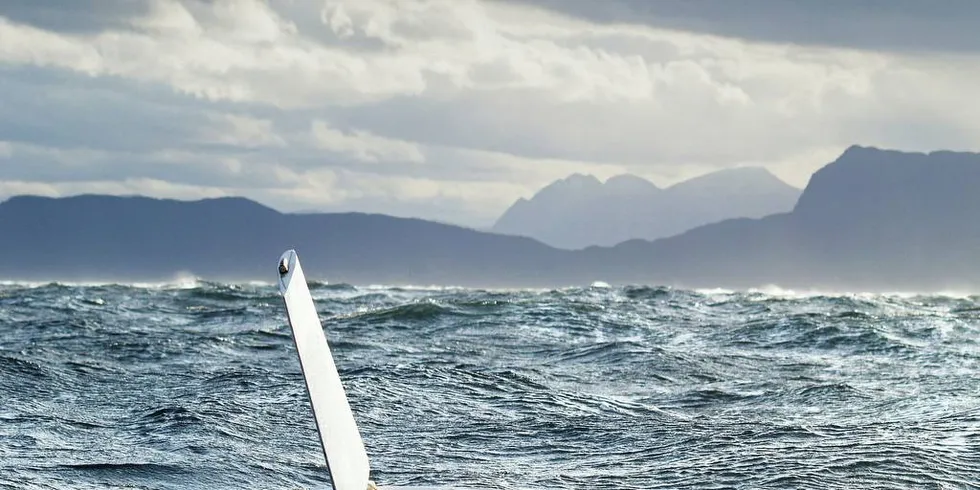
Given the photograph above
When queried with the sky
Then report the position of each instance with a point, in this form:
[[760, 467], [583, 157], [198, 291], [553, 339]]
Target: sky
[[452, 109]]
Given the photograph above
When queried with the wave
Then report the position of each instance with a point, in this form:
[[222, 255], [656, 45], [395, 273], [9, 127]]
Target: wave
[[190, 281], [627, 386], [143, 470], [773, 291], [409, 312]]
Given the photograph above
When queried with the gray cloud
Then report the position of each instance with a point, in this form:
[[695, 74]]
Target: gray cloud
[[902, 25], [74, 16], [33, 164], [62, 109]]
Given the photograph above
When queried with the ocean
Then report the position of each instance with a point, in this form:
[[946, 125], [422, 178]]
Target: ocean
[[197, 385]]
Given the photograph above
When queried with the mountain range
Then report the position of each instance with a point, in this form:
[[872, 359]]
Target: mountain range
[[872, 220], [580, 211]]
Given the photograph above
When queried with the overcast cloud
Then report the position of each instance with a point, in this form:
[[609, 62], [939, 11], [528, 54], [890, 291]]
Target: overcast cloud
[[451, 109]]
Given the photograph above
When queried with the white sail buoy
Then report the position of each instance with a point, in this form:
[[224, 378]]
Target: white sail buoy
[[347, 460]]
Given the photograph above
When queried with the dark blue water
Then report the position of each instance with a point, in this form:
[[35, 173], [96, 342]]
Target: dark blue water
[[198, 386]]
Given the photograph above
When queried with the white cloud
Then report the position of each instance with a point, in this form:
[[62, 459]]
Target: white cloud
[[24, 44], [169, 18], [249, 21], [242, 50], [241, 131]]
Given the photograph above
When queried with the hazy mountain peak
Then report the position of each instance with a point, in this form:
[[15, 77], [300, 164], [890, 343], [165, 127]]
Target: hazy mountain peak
[[579, 180], [579, 211], [568, 186], [748, 179], [629, 183]]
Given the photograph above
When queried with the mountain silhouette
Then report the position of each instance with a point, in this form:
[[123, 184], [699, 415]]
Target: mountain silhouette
[[580, 211], [108, 238], [872, 220]]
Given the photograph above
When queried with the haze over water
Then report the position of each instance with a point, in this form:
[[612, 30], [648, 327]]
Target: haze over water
[[198, 386]]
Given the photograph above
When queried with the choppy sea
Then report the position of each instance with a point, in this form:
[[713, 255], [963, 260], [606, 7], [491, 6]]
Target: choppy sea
[[197, 385]]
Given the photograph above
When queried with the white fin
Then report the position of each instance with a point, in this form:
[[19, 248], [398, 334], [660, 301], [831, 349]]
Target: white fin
[[343, 448]]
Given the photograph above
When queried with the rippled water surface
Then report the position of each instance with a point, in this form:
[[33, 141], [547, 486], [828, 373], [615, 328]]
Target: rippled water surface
[[198, 386]]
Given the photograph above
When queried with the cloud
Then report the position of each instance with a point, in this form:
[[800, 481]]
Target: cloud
[[880, 25], [452, 109], [364, 146], [75, 16], [241, 131], [27, 162]]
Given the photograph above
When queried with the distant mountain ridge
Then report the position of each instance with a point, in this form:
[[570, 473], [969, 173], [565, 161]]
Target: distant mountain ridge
[[109, 238], [872, 220], [580, 211]]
